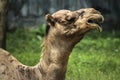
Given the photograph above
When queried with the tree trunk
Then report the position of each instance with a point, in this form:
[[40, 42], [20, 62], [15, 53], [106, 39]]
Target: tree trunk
[[3, 22]]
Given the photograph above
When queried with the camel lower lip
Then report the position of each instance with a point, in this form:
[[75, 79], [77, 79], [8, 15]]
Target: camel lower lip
[[99, 28]]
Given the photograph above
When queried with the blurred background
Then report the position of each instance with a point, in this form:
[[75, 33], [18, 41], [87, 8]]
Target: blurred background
[[32, 12], [96, 57]]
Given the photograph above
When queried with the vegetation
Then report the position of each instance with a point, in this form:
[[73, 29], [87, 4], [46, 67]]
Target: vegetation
[[96, 57]]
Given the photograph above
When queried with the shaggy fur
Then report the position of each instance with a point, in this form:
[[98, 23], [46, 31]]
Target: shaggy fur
[[67, 28]]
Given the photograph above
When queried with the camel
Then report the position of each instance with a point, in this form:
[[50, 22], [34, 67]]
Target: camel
[[67, 28]]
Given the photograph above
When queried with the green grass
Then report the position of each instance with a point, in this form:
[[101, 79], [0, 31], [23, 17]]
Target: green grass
[[96, 57]]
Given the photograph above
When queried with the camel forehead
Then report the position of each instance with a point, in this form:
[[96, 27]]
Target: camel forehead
[[89, 10], [61, 14]]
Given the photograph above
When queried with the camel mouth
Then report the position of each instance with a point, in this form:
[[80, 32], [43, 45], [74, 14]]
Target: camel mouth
[[96, 22]]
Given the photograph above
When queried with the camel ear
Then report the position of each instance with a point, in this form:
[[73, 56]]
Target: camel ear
[[50, 20]]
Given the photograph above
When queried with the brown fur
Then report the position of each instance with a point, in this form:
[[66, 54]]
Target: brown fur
[[67, 28]]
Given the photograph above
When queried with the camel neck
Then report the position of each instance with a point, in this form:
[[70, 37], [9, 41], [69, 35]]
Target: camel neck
[[54, 60]]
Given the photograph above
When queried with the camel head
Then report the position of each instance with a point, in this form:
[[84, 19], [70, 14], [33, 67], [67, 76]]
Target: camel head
[[74, 24]]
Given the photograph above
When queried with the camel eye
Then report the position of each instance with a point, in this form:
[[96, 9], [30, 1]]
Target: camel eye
[[71, 20]]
